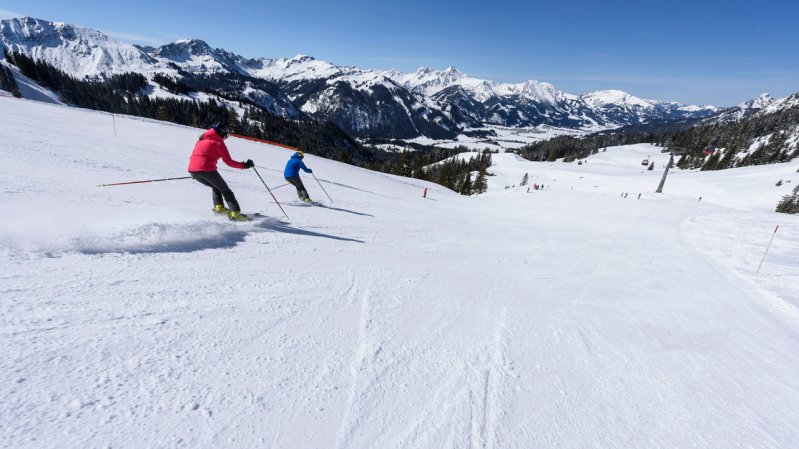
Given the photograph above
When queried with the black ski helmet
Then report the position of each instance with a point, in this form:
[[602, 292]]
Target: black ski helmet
[[221, 129]]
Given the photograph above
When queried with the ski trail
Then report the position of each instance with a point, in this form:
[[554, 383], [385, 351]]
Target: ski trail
[[435, 414], [488, 398], [495, 380], [349, 421], [351, 290]]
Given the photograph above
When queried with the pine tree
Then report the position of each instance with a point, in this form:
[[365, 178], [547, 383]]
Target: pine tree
[[789, 204], [466, 185], [480, 184], [163, 113]]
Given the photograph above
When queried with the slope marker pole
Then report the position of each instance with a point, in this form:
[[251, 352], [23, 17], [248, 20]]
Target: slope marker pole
[[767, 248]]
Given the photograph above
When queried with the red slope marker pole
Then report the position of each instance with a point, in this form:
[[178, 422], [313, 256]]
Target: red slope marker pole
[[767, 248]]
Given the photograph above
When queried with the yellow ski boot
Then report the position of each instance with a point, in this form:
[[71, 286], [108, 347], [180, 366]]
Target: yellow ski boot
[[237, 216]]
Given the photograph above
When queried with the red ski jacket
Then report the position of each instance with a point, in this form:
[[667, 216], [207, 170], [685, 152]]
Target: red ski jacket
[[208, 150]]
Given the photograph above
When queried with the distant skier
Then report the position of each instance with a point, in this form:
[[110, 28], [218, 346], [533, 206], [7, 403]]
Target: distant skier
[[202, 167], [292, 174]]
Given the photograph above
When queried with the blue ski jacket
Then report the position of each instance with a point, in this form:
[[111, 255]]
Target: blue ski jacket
[[293, 167]]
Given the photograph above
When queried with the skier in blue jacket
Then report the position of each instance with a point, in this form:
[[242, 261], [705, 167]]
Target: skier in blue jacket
[[292, 174]]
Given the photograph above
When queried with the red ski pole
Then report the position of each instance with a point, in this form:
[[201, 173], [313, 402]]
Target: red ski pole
[[140, 182]]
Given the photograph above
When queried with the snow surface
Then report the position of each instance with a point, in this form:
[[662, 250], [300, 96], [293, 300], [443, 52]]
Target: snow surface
[[505, 137], [569, 317]]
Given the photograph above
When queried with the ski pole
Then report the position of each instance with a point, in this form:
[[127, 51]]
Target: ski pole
[[140, 182], [270, 192], [320, 185]]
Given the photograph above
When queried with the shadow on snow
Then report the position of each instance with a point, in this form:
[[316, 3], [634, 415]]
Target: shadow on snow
[[280, 226]]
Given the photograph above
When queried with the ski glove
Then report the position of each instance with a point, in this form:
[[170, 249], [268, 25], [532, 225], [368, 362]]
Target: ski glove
[[249, 164], [310, 171]]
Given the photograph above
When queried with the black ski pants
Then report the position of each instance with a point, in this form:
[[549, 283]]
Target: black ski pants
[[297, 182], [219, 188]]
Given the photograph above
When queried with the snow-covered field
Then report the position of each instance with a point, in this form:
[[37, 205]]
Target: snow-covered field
[[570, 317], [504, 138]]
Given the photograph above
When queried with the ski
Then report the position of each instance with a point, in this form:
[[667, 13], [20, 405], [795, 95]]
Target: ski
[[243, 216], [304, 203]]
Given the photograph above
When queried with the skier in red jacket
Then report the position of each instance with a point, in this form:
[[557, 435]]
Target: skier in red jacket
[[202, 167]]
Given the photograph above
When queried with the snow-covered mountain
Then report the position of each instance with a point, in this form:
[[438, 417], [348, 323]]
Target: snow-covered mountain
[[757, 103], [470, 102], [742, 110], [79, 51], [366, 103], [196, 56], [761, 105], [83, 52]]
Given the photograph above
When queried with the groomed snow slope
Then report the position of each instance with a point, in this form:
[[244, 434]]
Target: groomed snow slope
[[567, 317]]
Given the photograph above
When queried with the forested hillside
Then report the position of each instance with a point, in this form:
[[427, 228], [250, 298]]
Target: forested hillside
[[767, 137]]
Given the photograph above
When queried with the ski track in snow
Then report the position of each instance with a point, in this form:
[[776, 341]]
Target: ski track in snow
[[570, 317]]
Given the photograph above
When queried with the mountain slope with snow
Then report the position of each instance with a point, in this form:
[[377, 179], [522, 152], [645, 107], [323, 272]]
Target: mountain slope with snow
[[79, 51], [566, 317]]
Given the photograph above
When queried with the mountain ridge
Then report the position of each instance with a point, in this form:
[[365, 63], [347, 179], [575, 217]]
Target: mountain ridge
[[427, 103]]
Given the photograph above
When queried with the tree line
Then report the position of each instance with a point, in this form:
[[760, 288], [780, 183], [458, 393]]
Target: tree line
[[441, 166], [7, 81]]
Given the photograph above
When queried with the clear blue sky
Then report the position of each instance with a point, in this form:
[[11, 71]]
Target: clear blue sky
[[698, 52]]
